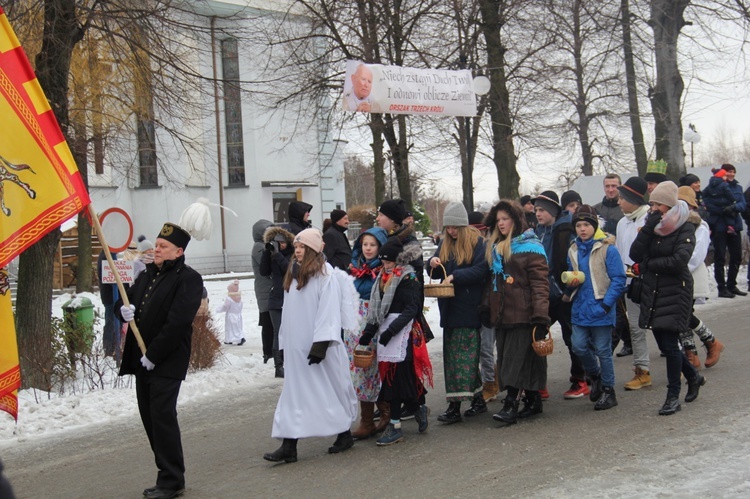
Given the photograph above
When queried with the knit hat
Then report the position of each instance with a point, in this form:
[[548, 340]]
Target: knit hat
[[568, 197], [689, 179], [234, 286], [337, 215], [175, 235], [687, 194], [455, 215], [634, 191], [665, 193], [144, 244], [728, 167], [312, 238], [721, 172], [391, 249], [586, 213], [476, 218], [524, 200], [656, 171], [548, 201], [393, 209]]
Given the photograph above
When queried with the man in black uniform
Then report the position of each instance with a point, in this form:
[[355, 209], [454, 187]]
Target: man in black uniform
[[164, 300]]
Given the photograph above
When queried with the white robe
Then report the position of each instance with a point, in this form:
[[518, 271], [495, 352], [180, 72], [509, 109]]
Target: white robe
[[233, 328], [317, 400]]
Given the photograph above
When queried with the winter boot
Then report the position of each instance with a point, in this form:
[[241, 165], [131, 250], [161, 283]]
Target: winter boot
[[343, 442], [714, 347], [509, 413], [452, 414], [607, 400], [385, 416], [596, 387], [421, 415], [694, 385], [489, 390], [278, 361], [392, 434], [692, 357], [642, 378], [478, 406], [287, 452], [532, 404], [366, 426], [671, 405]]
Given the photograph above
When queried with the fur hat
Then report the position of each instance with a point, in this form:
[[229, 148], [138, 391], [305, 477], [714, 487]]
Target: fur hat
[[312, 238], [144, 244], [391, 249], [455, 215], [569, 197], [549, 202], [337, 215], [665, 193], [634, 191], [586, 213], [514, 210], [687, 194], [234, 286], [175, 235], [393, 209]]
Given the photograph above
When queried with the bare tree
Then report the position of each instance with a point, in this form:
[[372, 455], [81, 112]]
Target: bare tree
[[634, 113]]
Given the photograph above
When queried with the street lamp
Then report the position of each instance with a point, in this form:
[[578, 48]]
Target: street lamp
[[481, 87], [693, 137]]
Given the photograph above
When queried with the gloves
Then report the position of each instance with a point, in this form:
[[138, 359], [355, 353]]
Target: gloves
[[147, 364], [652, 220], [385, 337], [366, 338], [636, 268], [272, 247], [729, 210], [318, 352], [606, 308], [128, 312], [541, 330]]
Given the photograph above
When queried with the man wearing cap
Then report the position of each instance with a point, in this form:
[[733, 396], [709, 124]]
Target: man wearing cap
[[164, 301], [609, 209], [570, 201], [632, 201], [528, 211], [556, 232], [337, 248]]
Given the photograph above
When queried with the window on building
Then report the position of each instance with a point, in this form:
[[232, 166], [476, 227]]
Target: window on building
[[233, 112], [281, 201]]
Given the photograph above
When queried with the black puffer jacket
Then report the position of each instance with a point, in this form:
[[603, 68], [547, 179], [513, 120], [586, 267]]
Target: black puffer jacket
[[275, 265], [667, 296]]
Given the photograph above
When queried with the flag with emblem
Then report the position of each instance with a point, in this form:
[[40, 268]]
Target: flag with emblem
[[40, 186]]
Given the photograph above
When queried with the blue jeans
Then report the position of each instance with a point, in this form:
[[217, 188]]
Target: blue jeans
[[593, 346]]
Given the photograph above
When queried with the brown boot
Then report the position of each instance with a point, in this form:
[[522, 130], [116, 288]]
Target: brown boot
[[489, 391], [385, 416], [366, 426], [692, 357], [714, 347]]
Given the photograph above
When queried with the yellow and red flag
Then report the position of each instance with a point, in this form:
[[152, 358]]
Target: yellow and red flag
[[40, 186]]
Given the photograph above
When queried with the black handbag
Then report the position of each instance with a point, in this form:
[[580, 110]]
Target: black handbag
[[635, 288]]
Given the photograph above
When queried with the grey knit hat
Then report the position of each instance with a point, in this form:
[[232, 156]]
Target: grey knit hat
[[455, 215]]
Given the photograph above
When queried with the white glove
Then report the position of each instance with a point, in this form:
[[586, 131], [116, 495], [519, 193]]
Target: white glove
[[128, 312], [147, 363]]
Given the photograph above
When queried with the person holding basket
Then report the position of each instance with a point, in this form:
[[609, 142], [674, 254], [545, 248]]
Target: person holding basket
[[459, 260]]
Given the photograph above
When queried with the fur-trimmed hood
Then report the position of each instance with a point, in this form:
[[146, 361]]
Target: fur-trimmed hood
[[274, 231], [411, 251]]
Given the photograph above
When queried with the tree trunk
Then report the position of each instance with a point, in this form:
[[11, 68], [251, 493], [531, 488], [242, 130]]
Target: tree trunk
[[667, 21], [587, 155], [34, 303], [639, 147], [499, 98], [376, 128], [399, 155], [83, 270]]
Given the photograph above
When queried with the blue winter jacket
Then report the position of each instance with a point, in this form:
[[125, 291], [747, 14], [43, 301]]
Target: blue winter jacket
[[364, 284], [587, 310], [725, 203]]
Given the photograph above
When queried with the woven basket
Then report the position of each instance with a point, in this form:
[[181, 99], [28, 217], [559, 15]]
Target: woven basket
[[439, 290], [542, 347], [363, 358]]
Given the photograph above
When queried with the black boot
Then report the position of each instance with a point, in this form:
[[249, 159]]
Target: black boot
[[532, 404], [287, 452], [671, 405], [509, 413], [596, 387], [278, 361], [343, 442], [607, 400], [478, 406], [452, 414], [694, 386]]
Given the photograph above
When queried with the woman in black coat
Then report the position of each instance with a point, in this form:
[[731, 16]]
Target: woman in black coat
[[662, 251]]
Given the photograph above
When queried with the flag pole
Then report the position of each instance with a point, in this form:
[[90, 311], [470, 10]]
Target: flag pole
[[120, 287]]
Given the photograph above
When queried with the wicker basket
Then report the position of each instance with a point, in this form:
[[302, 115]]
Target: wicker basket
[[439, 290], [542, 347], [363, 358]]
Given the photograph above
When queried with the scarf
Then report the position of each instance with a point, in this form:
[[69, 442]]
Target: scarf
[[637, 213], [146, 258], [379, 305], [673, 220], [527, 242]]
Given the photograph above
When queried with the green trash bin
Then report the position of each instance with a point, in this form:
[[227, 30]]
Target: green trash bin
[[78, 315]]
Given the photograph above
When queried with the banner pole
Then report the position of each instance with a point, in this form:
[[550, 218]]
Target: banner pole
[[120, 287]]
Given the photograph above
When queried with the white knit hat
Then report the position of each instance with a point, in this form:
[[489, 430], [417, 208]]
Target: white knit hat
[[455, 215], [312, 238]]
